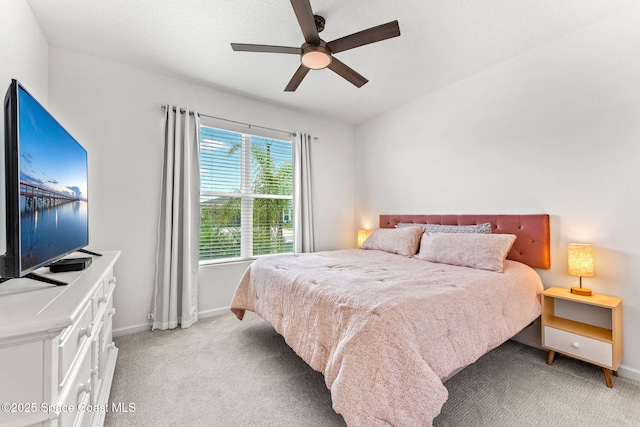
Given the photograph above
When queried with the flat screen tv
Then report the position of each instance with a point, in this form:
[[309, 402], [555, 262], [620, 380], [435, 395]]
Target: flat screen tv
[[46, 204]]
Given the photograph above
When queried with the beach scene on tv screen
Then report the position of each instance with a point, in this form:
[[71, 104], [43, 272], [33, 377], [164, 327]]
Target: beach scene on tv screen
[[53, 187]]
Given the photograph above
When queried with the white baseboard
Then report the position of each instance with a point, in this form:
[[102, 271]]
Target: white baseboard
[[147, 326], [627, 372], [131, 329], [213, 312]]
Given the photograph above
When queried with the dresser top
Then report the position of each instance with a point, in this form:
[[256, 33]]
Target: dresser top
[[29, 307]]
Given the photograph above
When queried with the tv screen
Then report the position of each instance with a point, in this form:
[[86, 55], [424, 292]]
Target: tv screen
[[46, 185]]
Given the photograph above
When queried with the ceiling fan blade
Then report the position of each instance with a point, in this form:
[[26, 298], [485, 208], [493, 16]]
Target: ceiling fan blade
[[371, 35], [307, 22], [297, 79], [241, 47], [347, 72]]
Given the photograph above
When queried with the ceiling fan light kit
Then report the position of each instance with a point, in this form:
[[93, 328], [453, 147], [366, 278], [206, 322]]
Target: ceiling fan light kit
[[316, 54], [315, 57]]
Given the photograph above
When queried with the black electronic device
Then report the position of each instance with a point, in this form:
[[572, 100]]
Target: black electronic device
[[70, 264], [45, 209]]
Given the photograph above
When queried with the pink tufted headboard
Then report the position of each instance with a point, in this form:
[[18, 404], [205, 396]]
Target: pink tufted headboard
[[532, 245]]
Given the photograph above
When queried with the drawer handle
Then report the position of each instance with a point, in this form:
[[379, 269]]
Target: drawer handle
[[112, 311], [84, 388], [575, 345], [113, 280], [86, 331], [102, 300]]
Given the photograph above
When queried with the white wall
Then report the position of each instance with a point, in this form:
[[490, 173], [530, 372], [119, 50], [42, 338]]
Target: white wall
[[23, 56], [23, 49], [114, 111], [556, 130]]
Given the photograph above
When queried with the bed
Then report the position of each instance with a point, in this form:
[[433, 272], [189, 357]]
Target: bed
[[386, 329]]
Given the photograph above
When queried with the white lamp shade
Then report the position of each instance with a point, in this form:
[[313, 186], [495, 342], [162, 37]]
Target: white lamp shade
[[580, 259]]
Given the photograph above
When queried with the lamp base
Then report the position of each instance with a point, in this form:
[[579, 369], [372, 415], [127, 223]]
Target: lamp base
[[581, 291]]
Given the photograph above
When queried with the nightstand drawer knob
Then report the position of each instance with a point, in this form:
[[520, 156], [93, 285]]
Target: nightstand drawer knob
[[575, 345]]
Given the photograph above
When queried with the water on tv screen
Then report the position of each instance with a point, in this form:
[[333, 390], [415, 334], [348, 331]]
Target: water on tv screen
[[53, 187]]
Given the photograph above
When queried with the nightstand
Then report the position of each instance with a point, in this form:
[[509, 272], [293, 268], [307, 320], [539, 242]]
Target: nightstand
[[598, 345]]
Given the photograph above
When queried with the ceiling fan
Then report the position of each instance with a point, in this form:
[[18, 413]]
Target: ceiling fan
[[315, 53]]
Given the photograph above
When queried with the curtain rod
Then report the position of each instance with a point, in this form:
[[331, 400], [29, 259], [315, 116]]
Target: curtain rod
[[182, 110]]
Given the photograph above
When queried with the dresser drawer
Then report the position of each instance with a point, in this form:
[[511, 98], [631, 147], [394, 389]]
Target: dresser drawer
[[106, 335], [78, 389], [588, 349], [71, 340], [98, 300]]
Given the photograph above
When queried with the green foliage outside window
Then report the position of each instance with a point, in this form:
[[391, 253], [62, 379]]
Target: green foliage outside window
[[271, 220]]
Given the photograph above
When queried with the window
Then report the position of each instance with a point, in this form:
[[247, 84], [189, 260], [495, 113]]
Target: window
[[246, 202]]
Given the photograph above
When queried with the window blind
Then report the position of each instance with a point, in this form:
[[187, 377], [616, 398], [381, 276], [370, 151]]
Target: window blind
[[246, 202]]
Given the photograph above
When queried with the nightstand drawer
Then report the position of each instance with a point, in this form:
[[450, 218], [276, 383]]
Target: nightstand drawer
[[584, 348]]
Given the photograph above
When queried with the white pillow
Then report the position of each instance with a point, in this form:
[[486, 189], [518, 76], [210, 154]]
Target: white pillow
[[402, 241], [483, 251]]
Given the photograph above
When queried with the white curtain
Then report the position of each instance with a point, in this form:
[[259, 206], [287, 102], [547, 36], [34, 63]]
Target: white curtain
[[176, 284], [303, 209]]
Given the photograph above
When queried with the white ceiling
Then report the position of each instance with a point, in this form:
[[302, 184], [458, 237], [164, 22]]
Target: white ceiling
[[442, 42]]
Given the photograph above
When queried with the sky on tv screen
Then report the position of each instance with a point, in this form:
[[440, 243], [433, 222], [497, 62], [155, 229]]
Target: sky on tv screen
[[49, 157], [53, 187]]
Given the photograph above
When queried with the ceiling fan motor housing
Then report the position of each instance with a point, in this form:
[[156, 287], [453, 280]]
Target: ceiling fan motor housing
[[319, 22]]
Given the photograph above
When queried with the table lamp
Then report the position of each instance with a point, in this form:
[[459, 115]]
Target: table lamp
[[580, 263], [362, 236]]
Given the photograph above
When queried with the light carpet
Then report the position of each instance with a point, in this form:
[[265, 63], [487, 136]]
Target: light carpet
[[223, 372]]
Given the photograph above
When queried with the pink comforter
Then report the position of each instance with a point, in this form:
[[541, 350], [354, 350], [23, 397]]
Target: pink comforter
[[385, 329]]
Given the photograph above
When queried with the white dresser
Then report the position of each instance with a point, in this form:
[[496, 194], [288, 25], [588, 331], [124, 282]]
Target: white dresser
[[57, 356]]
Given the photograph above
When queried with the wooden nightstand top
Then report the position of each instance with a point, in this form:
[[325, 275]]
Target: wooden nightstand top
[[595, 299]]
